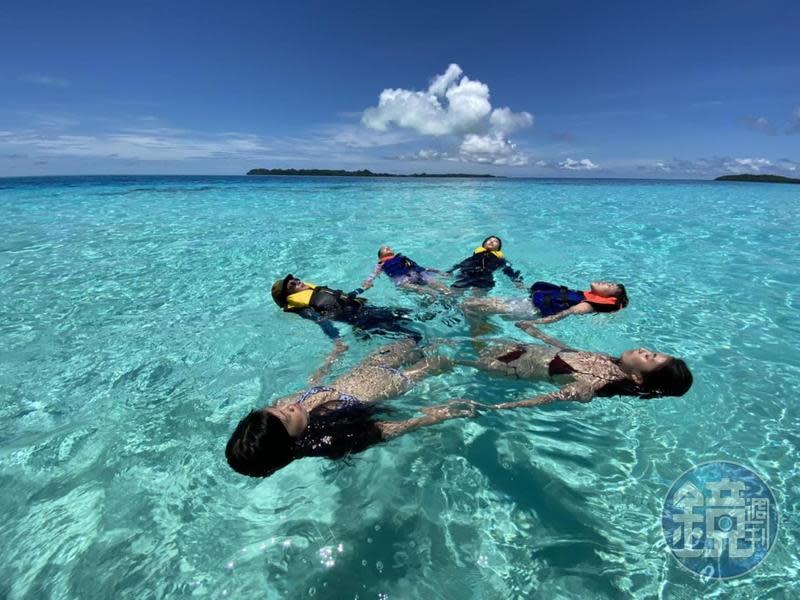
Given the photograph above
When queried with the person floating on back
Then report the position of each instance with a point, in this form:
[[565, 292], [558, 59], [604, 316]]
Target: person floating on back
[[404, 272], [341, 419], [477, 271], [581, 375], [552, 302], [323, 305]]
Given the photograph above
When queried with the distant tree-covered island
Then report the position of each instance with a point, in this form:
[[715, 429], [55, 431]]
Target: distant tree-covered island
[[758, 178], [361, 173]]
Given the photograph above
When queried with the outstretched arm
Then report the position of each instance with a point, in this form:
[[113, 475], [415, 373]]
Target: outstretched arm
[[371, 279], [574, 392], [339, 348], [529, 328], [514, 275], [457, 266], [581, 308], [433, 414]]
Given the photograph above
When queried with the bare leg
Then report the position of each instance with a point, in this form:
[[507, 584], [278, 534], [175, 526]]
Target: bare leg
[[418, 289], [394, 355], [440, 287], [376, 380], [433, 365], [482, 306], [476, 309], [517, 308]]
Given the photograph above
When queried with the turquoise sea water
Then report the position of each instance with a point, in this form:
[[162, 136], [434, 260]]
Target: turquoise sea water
[[136, 329]]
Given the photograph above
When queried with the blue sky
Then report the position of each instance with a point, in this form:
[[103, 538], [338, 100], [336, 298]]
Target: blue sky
[[578, 89]]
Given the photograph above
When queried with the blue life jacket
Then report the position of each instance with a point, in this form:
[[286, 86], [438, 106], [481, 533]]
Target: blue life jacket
[[400, 266], [551, 299]]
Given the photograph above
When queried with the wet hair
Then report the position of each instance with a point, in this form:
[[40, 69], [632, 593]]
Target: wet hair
[[381, 249], [334, 431], [260, 444], [499, 241], [622, 296], [671, 379]]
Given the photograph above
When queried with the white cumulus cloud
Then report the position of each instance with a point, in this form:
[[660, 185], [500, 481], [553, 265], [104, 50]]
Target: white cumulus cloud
[[504, 121], [578, 165], [453, 105], [490, 149]]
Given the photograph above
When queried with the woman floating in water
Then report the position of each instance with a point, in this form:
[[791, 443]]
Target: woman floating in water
[[338, 420], [552, 302], [405, 273], [583, 375], [341, 419], [477, 271]]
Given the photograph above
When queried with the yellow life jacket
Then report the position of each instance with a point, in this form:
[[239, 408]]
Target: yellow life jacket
[[300, 300], [497, 253]]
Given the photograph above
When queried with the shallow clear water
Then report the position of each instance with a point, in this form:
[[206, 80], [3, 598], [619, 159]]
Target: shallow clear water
[[136, 329]]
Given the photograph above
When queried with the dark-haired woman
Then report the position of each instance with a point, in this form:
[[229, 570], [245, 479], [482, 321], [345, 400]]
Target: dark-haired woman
[[337, 420], [583, 375], [477, 271], [551, 302]]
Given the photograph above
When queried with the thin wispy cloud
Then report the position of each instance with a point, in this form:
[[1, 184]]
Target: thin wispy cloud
[[707, 104], [710, 167], [45, 80], [562, 136], [760, 125], [143, 145], [794, 122], [453, 106], [47, 120]]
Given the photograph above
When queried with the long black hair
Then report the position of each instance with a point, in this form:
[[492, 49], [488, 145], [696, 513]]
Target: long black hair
[[671, 379], [334, 431], [260, 444]]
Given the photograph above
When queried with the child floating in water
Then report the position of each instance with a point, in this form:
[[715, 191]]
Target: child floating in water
[[477, 271], [552, 302], [404, 273], [323, 305]]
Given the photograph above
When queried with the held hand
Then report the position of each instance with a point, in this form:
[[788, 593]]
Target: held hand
[[521, 286], [451, 410], [366, 285], [467, 404]]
